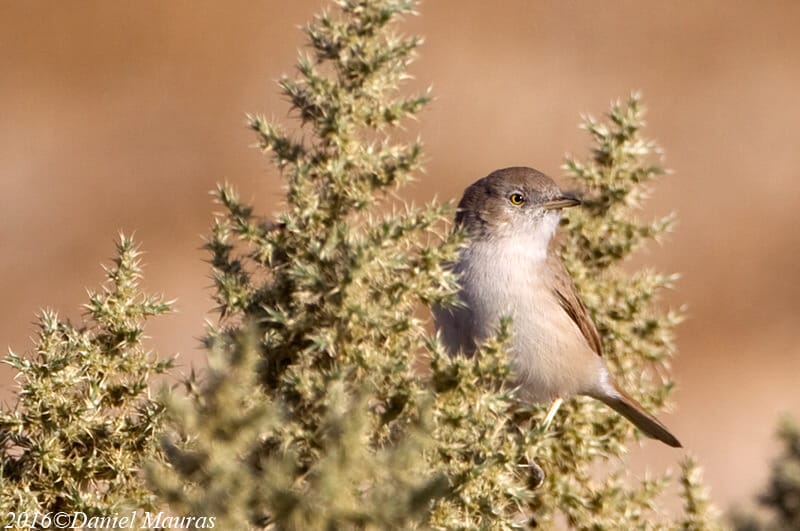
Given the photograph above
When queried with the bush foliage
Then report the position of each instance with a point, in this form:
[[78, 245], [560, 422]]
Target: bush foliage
[[327, 403], [85, 421]]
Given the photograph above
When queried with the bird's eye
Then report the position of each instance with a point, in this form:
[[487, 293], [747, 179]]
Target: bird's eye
[[516, 199]]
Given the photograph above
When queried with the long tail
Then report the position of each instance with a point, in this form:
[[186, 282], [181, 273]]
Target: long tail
[[632, 410]]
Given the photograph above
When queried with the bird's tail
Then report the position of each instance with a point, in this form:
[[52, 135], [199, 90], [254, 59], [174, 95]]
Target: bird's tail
[[632, 410]]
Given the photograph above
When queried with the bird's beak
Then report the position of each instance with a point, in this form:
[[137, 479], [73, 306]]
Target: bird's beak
[[565, 201]]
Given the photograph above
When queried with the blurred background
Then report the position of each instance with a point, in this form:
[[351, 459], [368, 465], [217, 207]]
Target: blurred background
[[123, 115]]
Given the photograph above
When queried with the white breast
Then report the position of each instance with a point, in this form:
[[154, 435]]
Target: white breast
[[508, 277]]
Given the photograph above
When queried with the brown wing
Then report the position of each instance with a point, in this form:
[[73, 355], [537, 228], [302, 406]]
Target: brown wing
[[568, 297]]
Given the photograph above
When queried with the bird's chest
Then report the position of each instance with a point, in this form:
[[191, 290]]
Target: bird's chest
[[508, 281], [548, 353]]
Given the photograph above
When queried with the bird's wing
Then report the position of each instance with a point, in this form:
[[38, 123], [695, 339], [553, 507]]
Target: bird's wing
[[569, 299]]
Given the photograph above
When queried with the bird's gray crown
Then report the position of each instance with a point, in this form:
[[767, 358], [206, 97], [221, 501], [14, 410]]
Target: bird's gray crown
[[490, 203]]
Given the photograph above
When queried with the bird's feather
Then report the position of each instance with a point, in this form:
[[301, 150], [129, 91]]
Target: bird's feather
[[571, 302]]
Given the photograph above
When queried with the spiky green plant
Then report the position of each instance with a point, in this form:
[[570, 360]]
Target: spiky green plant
[[85, 421], [231, 475], [698, 513], [332, 286]]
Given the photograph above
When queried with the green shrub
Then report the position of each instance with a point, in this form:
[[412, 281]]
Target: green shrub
[[85, 422]]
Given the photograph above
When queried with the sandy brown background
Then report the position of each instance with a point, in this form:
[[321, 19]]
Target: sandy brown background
[[123, 115]]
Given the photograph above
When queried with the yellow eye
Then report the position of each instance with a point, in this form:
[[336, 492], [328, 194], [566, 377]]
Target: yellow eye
[[516, 199]]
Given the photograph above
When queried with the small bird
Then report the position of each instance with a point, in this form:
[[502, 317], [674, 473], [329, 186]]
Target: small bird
[[509, 269]]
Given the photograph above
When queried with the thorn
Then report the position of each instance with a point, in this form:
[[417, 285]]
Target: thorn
[[551, 413]]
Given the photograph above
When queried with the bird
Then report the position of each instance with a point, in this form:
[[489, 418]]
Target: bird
[[509, 267]]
